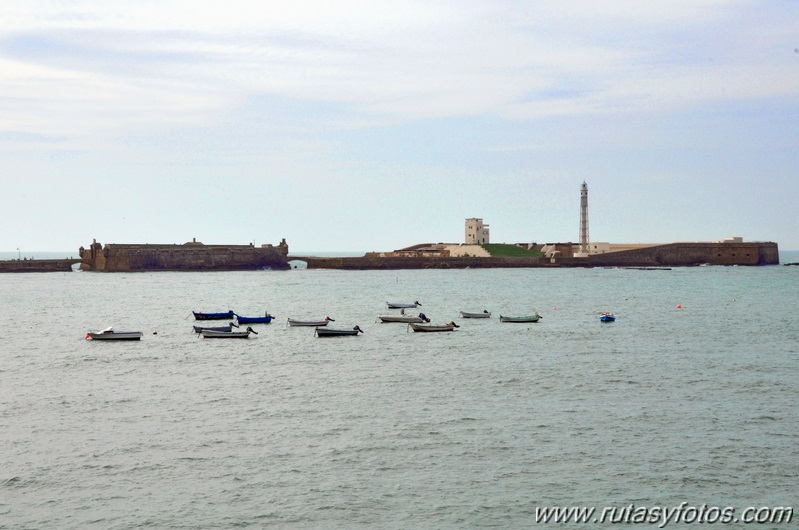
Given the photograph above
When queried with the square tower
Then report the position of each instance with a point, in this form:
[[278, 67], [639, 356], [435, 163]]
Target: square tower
[[476, 232]]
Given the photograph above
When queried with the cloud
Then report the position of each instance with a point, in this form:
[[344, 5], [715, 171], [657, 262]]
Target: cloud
[[92, 67]]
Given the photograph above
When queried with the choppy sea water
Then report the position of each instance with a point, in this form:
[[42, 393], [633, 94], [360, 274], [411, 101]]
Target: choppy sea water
[[394, 429]]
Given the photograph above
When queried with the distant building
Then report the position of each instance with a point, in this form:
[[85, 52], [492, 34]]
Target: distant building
[[476, 232]]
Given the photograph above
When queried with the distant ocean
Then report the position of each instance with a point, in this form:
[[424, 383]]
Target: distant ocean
[[689, 397]]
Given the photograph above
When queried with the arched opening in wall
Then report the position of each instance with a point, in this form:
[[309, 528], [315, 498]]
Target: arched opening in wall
[[298, 264]]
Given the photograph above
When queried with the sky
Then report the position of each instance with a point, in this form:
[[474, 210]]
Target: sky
[[362, 126]]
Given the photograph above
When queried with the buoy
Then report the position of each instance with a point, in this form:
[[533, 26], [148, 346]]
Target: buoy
[[555, 309], [155, 332], [679, 306]]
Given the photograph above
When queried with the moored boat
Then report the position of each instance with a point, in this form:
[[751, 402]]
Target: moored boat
[[405, 319], [314, 323], [207, 334], [607, 317], [329, 332], [229, 327], [397, 305], [450, 326], [529, 318], [266, 319], [485, 314], [199, 315], [110, 334]]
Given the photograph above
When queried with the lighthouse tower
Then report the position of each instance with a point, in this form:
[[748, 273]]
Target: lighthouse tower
[[584, 218]]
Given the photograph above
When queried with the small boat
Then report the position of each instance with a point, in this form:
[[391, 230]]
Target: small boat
[[199, 315], [314, 323], [405, 319], [434, 327], [607, 317], [229, 327], [485, 314], [266, 319], [329, 332], [529, 318], [393, 305], [110, 334], [228, 334]]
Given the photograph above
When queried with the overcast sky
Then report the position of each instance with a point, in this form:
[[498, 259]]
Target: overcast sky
[[375, 125]]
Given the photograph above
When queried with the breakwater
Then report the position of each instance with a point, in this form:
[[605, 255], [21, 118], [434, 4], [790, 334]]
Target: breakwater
[[37, 265]]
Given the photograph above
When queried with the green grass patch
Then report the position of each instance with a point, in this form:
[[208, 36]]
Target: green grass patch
[[501, 250]]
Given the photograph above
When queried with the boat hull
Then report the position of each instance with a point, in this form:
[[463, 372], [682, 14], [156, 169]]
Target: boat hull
[[225, 334], [520, 320], [308, 323], [465, 314], [329, 332], [200, 329], [254, 320], [431, 328], [405, 319], [213, 316], [115, 335], [393, 305]]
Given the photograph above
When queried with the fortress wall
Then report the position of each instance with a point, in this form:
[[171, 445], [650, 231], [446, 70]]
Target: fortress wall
[[683, 254], [190, 257]]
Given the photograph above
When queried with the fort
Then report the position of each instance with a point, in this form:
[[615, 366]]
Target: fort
[[191, 256]]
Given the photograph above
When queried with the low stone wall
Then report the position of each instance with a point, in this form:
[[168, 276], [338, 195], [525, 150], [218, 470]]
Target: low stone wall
[[429, 262], [37, 265]]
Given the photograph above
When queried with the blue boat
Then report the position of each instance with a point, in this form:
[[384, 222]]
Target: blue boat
[[213, 316], [607, 317], [266, 319]]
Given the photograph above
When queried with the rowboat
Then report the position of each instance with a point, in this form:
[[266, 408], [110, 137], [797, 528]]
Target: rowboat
[[266, 319], [394, 305], [434, 327], [484, 314], [329, 332], [213, 316], [314, 323], [229, 327], [405, 319], [228, 334], [110, 334], [607, 317], [529, 318]]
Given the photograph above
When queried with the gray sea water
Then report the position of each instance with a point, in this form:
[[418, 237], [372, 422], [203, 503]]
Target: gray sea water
[[689, 397]]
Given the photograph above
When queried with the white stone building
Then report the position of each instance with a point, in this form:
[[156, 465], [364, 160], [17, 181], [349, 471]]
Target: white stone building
[[476, 232]]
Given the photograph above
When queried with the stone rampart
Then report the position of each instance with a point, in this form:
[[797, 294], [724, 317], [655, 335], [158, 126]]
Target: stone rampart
[[683, 255], [187, 257]]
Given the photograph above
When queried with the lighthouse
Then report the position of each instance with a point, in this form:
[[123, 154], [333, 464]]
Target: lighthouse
[[584, 218]]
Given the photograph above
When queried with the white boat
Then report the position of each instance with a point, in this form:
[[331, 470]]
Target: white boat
[[110, 334], [405, 319], [329, 332], [484, 314], [210, 334], [314, 323], [524, 319], [396, 305], [434, 327]]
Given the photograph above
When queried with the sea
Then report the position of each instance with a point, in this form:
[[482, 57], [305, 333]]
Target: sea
[[687, 401]]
